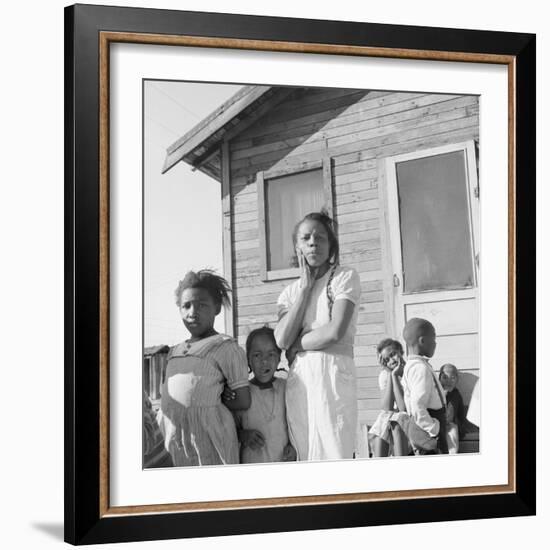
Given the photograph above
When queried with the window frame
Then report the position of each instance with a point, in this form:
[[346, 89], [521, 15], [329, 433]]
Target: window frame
[[391, 247], [472, 197], [325, 165]]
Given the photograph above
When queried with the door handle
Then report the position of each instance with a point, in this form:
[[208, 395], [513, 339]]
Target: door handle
[[396, 281]]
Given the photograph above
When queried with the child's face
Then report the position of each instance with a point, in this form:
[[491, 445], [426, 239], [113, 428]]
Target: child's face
[[263, 357], [391, 357], [427, 343], [197, 311], [312, 241], [448, 378]]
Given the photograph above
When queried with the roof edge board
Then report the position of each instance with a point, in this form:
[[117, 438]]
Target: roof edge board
[[215, 123]]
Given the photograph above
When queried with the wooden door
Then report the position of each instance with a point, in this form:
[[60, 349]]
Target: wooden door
[[433, 222]]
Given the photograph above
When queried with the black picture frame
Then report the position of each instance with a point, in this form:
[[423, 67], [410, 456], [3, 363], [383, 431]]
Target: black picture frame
[[85, 519]]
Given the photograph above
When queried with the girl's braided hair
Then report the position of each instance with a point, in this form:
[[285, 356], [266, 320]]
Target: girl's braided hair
[[207, 279]]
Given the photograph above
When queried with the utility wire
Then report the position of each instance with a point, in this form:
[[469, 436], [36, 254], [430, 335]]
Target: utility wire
[[175, 101], [163, 125]]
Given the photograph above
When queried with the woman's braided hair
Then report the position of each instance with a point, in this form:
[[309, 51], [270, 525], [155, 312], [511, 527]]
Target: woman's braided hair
[[333, 252]]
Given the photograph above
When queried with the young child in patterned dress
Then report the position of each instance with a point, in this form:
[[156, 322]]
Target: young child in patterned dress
[[262, 429], [198, 429]]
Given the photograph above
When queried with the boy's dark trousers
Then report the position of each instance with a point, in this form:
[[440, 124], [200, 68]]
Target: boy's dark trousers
[[441, 416]]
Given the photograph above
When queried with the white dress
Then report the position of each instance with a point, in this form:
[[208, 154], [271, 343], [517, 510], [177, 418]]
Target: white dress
[[267, 414], [382, 425], [321, 394], [198, 429]]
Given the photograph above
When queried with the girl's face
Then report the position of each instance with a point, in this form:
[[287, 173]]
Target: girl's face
[[391, 357], [263, 358], [198, 311], [312, 241]]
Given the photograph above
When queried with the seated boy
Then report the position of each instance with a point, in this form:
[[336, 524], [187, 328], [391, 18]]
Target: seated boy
[[422, 391], [456, 417]]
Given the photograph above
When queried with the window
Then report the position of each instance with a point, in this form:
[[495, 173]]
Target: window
[[285, 197], [288, 199], [434, 216]]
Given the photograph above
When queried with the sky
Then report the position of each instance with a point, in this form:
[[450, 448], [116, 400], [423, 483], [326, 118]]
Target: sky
[[182, 208]]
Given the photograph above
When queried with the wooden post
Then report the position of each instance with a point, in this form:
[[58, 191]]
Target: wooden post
[[226, 241], [146, 376]]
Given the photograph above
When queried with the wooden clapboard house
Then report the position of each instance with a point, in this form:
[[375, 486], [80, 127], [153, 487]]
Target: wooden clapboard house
[[398, 172]]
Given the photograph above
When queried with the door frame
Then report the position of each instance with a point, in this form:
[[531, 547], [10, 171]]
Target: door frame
[[393, 256]]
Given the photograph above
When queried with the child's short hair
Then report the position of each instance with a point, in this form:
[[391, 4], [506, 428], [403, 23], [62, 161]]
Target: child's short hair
[[389, 342], [447, 365], [218, 288], [330, 226], [262, 331], [415, 328]]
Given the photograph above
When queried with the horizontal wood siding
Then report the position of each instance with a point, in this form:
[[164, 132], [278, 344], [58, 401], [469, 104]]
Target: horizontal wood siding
[[356, 129]]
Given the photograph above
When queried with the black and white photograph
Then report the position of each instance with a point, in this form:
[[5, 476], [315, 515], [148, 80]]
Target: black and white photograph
[[311, 273], [195, 166]]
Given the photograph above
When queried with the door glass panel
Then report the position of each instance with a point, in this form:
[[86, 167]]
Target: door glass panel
[[435, 223]]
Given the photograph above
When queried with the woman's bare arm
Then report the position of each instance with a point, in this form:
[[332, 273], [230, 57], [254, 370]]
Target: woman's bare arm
[[290, 323], [332, 332]]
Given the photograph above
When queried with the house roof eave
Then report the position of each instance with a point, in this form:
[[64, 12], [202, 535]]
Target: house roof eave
[[213, 128]]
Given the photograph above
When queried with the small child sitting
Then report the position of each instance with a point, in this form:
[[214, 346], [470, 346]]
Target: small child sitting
[[386, 435], [262, 429], [456, 418]]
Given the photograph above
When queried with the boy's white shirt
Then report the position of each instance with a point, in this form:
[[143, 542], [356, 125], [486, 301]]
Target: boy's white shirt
[[420, 392]]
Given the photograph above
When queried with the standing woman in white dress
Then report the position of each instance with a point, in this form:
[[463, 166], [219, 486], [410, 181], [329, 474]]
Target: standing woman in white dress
[[317, 325]]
